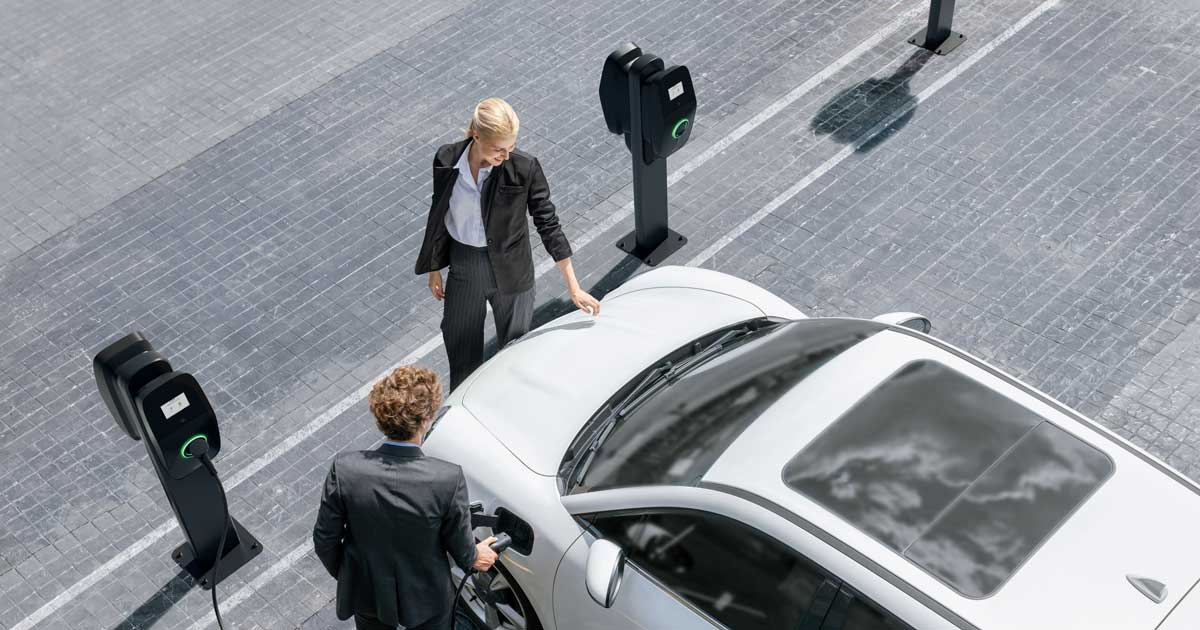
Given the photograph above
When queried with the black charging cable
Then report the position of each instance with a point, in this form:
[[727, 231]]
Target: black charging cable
[[199, 449], [503, 541]]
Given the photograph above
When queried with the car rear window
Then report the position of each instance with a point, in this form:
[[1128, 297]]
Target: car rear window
[[957, 478]]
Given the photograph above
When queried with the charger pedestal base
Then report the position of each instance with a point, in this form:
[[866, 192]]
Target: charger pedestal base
[[243, 550], [653, 254]]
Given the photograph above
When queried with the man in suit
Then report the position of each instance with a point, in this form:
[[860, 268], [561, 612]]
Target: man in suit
[[389, 517]]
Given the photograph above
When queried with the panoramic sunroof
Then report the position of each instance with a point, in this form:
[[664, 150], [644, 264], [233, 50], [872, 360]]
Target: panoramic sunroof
[[955, 477]]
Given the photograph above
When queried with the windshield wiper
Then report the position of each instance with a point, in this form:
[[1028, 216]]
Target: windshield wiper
[[660, 376], [710, 351], [649, 382]]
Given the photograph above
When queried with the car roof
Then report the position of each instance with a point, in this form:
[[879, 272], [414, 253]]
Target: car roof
[[755, 463]]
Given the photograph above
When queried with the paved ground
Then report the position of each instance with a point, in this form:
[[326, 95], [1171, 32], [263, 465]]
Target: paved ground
[[247, 186]]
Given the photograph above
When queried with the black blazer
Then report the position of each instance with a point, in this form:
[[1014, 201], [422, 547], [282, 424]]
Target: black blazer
[[515, 187], [387, 520]]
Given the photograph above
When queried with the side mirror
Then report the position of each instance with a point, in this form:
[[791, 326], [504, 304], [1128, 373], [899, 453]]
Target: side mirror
[[915, 321], [605, 565]]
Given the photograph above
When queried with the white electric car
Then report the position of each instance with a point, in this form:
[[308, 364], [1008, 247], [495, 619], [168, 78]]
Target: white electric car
[[701, 455]]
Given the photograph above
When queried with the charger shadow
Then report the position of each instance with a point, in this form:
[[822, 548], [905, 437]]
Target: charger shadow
[[855, 111], [153, 609]]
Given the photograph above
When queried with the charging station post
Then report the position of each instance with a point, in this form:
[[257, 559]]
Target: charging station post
[[169, 412], [937, 36], [654, 107]]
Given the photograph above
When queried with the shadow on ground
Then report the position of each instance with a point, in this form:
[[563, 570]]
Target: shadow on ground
[[856, 110], [153, 609]]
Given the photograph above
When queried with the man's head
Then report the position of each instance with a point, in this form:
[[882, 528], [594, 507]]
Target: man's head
[[404, 403], [493, 128]]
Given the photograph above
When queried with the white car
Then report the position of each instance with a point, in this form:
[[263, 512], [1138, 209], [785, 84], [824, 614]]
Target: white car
[[701, 455]]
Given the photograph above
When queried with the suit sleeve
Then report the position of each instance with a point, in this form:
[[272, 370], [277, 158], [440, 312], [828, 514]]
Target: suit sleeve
[[331, 522], [424, 262], [541, 209], [456, 535]]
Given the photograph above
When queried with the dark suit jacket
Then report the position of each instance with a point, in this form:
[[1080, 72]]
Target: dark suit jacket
[[387, 520], [515, 187]]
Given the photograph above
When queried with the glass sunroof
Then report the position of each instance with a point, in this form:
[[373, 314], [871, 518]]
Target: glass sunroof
[[959, 479]]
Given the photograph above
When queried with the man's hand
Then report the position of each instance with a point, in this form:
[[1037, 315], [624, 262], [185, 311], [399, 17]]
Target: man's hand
[[484, 556], [585, 302], [435, 285]]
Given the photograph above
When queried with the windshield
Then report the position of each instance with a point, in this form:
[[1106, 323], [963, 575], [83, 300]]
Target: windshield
[[676, 433]]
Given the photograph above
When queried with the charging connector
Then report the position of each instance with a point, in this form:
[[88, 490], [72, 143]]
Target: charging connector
[[503, 541]]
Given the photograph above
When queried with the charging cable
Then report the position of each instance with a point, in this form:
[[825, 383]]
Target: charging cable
[[503, 541], [199, 449]]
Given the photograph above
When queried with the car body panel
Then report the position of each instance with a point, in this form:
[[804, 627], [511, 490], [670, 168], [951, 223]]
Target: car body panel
[[640, 602], [498, 479], [677, 276], [536, 394], [1076, 579], [1185, 615]]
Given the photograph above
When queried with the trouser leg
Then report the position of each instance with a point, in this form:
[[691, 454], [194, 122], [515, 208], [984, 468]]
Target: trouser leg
[[464, 312], [513, 315], [439, 622]]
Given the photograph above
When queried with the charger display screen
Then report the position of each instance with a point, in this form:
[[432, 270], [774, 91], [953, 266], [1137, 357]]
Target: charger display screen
[[675, 91], [174, 406]]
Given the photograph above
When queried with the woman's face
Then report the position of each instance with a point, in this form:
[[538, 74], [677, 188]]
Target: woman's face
[[493, 151]]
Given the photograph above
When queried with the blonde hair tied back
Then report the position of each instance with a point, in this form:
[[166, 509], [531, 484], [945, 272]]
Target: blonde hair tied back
[[493, 118]]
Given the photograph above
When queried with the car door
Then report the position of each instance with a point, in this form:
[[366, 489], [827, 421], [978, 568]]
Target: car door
[[640, 603], [690, 568], [852, 611]]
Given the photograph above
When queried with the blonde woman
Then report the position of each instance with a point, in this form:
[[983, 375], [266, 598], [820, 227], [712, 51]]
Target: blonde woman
[[482, 189]]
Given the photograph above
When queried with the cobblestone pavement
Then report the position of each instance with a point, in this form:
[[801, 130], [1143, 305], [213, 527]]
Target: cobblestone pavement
[[1034, 193], [100, 98]]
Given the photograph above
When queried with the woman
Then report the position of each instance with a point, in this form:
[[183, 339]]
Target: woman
[[482, 188]]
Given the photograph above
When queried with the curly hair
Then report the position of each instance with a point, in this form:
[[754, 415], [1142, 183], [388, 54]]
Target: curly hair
[[404, 401]]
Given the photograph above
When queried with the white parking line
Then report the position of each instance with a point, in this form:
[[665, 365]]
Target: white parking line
[[104, 570], [849, 149]]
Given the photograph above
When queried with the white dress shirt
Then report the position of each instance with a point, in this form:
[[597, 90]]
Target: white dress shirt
[[464, 221]]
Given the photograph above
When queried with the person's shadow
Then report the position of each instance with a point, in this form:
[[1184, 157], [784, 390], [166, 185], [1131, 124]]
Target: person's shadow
[[856, 110]]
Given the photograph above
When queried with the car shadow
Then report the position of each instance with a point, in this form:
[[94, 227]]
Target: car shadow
[[856, 110]]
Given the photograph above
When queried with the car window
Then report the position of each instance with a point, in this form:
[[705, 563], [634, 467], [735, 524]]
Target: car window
[[676, 435], [852, 612], [735, 574]]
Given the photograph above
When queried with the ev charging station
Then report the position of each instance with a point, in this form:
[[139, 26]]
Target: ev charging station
[[169, 412], [654, 107]]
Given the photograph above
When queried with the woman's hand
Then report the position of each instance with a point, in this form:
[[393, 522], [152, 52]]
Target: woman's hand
[[435, 285], [585, 302]]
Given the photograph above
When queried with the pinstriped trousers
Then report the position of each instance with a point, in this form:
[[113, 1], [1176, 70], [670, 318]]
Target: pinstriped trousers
[[470, 286]]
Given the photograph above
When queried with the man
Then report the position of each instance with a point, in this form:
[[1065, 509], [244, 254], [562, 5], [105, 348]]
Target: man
[[388, 517]]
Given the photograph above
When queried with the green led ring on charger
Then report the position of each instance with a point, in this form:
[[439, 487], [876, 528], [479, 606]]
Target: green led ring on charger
[[183, 449], [675, 131]]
